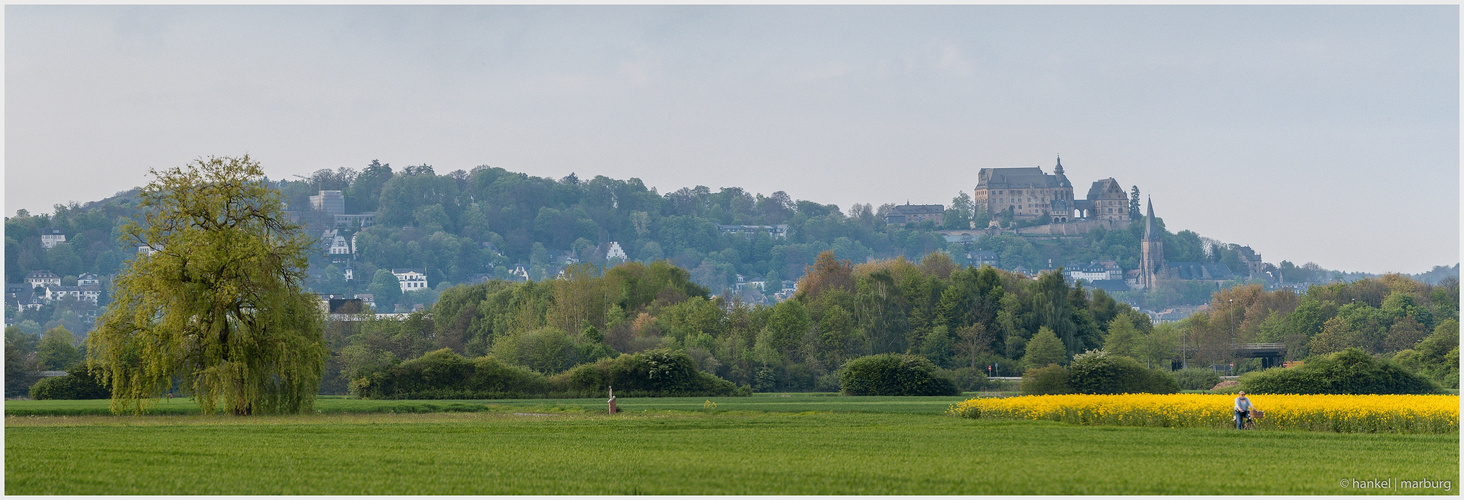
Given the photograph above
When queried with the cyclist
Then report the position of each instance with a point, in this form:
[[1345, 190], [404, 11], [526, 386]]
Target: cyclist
[[1243, 407]]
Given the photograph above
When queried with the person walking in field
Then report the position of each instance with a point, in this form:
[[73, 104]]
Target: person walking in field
[[1243, 408]]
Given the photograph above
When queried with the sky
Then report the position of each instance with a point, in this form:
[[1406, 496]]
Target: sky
[[1326, 134]]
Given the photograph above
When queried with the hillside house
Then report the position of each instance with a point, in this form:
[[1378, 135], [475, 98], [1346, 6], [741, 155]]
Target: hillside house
[[410, 279], [42, 279], [915, 214], [50, 237]]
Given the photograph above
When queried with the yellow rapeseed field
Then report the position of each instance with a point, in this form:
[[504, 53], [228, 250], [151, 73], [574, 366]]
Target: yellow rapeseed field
[[1336, 413]]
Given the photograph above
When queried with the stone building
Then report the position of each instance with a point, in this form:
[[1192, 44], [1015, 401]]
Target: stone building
[[915, 214], [1033, 195], [1105, 201], [1028, 192]]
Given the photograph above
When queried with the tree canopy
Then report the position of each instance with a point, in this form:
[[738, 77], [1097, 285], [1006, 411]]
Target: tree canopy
[[220, 304]]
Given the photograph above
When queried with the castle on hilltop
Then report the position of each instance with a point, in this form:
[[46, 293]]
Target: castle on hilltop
[[1032, 195]]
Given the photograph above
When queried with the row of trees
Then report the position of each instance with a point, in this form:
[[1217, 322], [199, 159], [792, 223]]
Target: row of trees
[[961, 318], [1392, 316]]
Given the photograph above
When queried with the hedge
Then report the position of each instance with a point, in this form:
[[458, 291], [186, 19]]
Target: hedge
[[654, 373], [1348, 372], [894, 375], [444, 374], [78, 383]]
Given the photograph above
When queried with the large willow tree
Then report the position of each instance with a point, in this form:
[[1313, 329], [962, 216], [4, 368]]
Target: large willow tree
[[219, 304]]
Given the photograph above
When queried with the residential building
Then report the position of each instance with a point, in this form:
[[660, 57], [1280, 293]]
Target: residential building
[[339, 246], [985, 258], [777, 231], [410, 279], [50, 237], [615, 252], [42, 278], [1092, 271], [915, 214], [80, 293], [330, 202], [88, 279], [351, 220]]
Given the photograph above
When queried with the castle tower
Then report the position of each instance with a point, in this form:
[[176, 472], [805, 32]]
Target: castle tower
[[1151, 251]]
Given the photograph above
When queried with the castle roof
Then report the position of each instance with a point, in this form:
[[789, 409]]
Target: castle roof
[[1105, 186], [1015, 177]]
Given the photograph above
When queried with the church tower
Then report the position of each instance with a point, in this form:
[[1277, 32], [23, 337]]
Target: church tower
[[1151, 251]]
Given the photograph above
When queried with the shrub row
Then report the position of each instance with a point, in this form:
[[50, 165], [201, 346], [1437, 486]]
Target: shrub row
[[659, 372], [1097, 372], [1348, 372], [444, 374], [78, 383], [894, 375]]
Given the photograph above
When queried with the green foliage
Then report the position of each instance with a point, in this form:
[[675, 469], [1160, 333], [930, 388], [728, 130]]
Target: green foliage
[[443, 374], [385, 290], [1050, 379], [79, 383], [893, 375], [1197, 379], [20, 372], [1097, 372], [660, 372], [545, 350], [1044, 349], [1348, 372], [56, 350], [220, 304]]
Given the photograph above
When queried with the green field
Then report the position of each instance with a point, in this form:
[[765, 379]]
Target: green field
[[764, 444]]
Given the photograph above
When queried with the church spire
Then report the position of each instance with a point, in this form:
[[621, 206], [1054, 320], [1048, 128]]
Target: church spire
[[1058, 169], [1151, 230]]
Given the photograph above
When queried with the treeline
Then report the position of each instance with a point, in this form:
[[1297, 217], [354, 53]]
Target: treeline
[[963, 319], [1392, 317]]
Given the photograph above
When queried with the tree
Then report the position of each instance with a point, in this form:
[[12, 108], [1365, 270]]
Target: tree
[[972, 341], [1044, 349], [385, 290], [1123, 339], [56, 352], [220, 305], [1134, 209]]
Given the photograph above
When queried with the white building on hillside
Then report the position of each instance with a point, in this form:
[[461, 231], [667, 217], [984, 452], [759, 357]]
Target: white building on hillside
[[410, 280], [615, 252], [50, 237]]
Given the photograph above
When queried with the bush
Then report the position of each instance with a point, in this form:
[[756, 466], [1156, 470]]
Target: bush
[[1348, 372], [78, 383], [443, 374], [655, 373], [893, 375], [1097, 372], [1197, 379], [1050, 379]]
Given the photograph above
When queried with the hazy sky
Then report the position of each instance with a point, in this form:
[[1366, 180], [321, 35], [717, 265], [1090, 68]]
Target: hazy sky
[[1313, 133]]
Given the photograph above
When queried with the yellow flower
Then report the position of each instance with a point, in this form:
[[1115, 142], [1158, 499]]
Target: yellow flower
[[1337, 413]]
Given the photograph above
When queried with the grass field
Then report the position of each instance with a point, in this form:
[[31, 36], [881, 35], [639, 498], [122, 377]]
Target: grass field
[[758, 445]]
